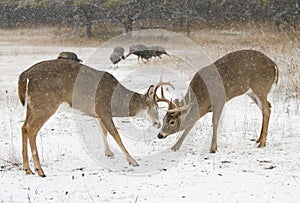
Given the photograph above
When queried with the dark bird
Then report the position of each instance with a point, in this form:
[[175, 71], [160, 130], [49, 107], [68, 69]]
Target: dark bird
[[68, 55], [117, 55], [139, 50], [156, 51], [145, 52]]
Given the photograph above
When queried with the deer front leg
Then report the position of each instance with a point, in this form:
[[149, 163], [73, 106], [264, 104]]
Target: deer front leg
[[179, 142], [215, 120], [107, 151], [214, 143], [113, 131]]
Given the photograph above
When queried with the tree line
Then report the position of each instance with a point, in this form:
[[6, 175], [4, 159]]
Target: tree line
[[137, 14]]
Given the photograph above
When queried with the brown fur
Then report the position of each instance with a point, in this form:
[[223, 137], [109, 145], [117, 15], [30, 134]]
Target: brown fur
[[96, 93], [214, 85]]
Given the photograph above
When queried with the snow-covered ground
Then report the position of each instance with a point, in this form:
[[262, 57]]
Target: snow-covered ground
[[72, 154]]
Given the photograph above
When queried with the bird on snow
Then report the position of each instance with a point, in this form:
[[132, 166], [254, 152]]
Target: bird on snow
[[117, 55], [139, 50], [69, 56]]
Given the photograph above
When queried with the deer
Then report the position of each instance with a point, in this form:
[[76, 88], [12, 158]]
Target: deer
[[47, 84], [241, 72]]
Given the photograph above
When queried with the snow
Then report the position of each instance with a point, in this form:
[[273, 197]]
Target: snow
[[72, 152]]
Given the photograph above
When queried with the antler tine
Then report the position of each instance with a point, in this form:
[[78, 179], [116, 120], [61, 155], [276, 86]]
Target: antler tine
[[180, 108], [183, 99], [185, 104], [161, 83], [190, 96], [162, 92], [162, 98]]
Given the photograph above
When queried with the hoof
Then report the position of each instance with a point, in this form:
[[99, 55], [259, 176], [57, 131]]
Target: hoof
[[261, 145], [136, 164], [109, 153], [213, 150], [133, 162], [40, 172], [28, 171], [175, 148]]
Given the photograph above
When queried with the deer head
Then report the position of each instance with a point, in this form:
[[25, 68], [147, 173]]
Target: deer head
[[152, 107], [176, 113]]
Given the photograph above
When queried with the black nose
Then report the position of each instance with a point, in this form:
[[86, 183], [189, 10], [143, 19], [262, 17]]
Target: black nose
[[160, 136]]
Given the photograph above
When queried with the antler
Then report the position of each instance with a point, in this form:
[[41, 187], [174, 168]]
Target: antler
[[162, 98], [181, 108]]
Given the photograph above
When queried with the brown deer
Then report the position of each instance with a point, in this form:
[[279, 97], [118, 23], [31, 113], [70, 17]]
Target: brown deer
[[45, 85], [237, 73]]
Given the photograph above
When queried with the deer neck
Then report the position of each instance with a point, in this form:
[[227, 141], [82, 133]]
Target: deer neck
[[190, 117], [126, 103], [137, 104], [200, 105]]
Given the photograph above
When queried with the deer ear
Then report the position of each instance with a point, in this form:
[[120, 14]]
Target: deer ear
[[150, 92], [172, 106], [185, 112], [176, 101]]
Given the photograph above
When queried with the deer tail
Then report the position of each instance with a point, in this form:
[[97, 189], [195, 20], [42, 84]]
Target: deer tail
[[277, 74], [22, 87]]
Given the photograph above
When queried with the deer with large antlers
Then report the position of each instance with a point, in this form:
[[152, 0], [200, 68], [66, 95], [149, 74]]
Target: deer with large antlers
[[237, 73], [44, 86]]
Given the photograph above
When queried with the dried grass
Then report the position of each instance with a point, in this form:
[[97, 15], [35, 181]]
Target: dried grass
[[48, 36], [281, 45]]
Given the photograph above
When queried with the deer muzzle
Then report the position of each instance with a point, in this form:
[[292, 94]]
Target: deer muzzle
[[160, 136]]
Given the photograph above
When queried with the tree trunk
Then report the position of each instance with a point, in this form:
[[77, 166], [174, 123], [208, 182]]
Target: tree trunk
[[128, 24], [87, 12], [89, 32], [187, 26]]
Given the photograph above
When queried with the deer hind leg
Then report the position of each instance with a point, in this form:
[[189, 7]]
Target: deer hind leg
[[266, 111], [215, 120], [109, 125], [33, 124], [108, 152], [265, 107], [26, 167], [255, 99]]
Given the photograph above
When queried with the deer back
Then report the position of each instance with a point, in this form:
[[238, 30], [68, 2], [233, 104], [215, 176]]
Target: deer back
[[55, 81], [233, 75]]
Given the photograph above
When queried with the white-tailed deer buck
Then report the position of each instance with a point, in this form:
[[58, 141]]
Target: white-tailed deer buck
[[45, 85], [237, 73]]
